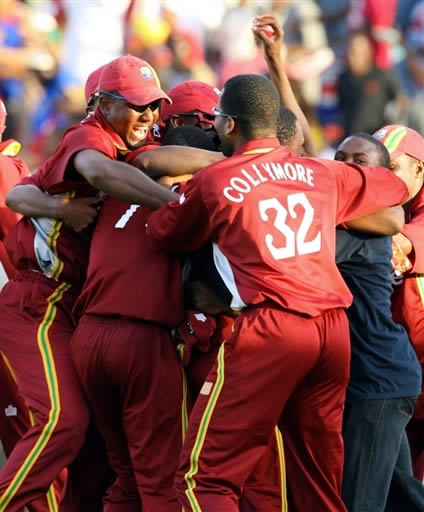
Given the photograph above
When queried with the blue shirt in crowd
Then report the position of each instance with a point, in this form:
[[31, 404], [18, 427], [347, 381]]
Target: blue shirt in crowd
[[383, 364]]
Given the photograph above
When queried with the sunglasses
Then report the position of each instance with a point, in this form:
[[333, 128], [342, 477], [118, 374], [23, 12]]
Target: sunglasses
[[223, 114], [153, 105], [196, 118]]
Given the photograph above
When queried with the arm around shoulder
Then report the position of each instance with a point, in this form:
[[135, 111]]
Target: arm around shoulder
[[120, 180], [389, 221], [30, 201], [175, 160]]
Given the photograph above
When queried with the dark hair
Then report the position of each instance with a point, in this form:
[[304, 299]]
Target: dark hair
[[191, 136], [255, 103], [286, 126], [384, 155]]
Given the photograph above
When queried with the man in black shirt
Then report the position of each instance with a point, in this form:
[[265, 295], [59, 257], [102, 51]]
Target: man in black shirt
[[385, 372], [364, 90]]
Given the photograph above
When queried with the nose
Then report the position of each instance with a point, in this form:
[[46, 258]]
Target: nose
[[148, 115]]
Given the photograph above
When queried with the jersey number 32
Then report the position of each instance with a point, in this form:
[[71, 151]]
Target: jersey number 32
[[295, 240]]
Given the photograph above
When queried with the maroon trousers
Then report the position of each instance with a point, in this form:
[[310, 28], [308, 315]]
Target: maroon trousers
[[35, 329], [133, 379], [265, 487], [15, 420], [282, 369]]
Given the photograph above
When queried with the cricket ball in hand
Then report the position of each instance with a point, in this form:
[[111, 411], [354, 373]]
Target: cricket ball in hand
[[268, 30]]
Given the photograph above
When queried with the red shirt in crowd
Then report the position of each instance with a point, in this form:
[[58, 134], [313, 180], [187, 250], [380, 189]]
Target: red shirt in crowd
[[408, 291], [12, 170], [271, 217]]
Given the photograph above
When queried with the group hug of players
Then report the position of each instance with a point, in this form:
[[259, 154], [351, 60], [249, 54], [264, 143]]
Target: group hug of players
[[174, 339]]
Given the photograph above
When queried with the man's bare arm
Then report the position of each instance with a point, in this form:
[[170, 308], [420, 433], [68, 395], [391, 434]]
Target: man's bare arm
[[120, 180], [30, 201], [272, 47], [175, 160], [389, 221]]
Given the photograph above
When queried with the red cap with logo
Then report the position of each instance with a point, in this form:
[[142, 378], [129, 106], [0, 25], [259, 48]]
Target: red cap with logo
[[400, 140], [3, 114], [132, 78], [92, 83], [191, 96]]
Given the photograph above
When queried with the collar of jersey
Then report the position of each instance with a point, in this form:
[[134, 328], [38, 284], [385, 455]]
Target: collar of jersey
[[416, 203], [257, 146], [10, 147], [119, 143]]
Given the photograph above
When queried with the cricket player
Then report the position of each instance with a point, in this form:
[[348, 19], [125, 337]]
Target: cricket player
[[51, 258], [406, 148], [270, 216]]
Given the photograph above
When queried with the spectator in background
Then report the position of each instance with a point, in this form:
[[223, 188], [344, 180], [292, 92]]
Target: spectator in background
[[364, 89], [24, 49], [377, 17], [403, 13], [411, 71]]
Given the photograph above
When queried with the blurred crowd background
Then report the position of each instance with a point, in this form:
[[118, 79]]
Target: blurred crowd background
[[355, 64]]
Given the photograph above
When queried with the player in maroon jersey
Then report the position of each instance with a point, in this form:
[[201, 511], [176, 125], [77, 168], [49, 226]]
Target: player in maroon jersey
[[271, 217], [15, 417], [192, 104], [406, 148], [51, 258], [126, 359], [12, 170]]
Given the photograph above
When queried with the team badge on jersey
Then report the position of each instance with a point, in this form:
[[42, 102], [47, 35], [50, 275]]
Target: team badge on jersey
[[156, 131], [381, 134], [146, 72], [11, 411]]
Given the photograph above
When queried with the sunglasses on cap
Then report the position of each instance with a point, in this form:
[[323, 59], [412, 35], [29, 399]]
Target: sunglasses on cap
[[153, 105], [196, 118]]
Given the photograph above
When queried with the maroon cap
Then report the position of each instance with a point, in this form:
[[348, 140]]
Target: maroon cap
[[191, 96], [3, 114], [400, 140], [92, 83], [132, 78]]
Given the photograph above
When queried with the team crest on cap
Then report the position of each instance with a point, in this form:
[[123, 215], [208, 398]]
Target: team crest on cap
[[381, 134], [146, 72]]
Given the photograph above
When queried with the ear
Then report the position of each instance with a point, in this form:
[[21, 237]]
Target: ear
[[176, 121], [104, 104], [419, 171], [230, 127]]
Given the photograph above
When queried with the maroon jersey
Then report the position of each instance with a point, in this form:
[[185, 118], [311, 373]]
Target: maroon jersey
[[271, 217], [125, 277], [408, 289], [12, 170], [47, 244]]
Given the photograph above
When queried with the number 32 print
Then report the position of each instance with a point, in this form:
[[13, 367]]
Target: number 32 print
[[295, 240]]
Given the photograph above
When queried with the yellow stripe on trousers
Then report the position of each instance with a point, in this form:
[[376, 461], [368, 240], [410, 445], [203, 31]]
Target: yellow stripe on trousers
[[51, 494], [184, 412], [49, 368], [282, 463], [202, 431]]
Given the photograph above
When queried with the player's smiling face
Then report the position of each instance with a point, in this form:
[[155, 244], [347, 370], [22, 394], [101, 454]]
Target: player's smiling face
[[130, 124]]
